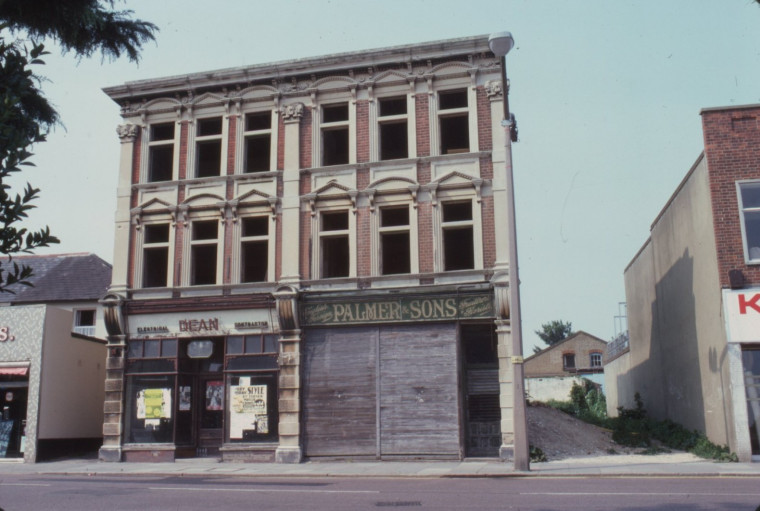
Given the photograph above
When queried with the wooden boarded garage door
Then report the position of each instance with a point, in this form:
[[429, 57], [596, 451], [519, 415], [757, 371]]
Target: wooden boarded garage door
[[381, 392]]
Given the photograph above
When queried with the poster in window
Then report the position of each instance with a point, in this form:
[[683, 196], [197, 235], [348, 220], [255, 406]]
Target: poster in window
[[184, 398], [153, 404], [214, 395], [248, 410]]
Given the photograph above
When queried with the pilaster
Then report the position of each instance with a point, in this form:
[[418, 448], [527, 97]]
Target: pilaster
[[291, 178], [289, 401], [129, 134]]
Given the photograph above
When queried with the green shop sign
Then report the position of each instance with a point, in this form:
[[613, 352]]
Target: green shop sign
[[400, 309]]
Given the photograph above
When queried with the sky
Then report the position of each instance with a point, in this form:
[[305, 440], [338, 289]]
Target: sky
[[607, 95]]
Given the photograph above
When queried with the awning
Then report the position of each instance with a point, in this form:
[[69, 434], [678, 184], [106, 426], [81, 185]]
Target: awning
[[14, 371]]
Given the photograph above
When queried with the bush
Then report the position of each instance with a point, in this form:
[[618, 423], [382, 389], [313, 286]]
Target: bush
[[537, 455]]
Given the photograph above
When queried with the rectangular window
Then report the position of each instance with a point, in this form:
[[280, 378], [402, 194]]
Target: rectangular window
[[457, 236], [392, 128], [749, 204], [568, 361], [254, 249], [333, 244], [84, 322], [155, 261], [454, 122], [395, 256], [161, 152], [335, 134], [203, 248], [596, 360], [258, 142], [208, 147]]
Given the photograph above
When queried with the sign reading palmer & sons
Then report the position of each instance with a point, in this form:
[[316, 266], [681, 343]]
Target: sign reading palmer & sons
[[398, 309]]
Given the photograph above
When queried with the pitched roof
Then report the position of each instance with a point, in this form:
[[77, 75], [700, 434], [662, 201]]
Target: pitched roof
[[566, 339], [59, 278]]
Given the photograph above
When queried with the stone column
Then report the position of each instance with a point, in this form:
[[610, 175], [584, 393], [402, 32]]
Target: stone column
[[499, 182], [291, 184], [506, 390], [113, 406], [289, 450], [128, 135]]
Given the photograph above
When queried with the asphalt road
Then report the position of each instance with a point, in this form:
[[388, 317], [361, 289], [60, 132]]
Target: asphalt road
[[21, 493]]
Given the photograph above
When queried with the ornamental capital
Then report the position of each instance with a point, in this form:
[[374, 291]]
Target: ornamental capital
[[494, 89], [127, 132], [292, 112]]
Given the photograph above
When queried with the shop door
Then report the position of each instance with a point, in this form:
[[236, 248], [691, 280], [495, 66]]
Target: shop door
[[751, 362], [210, 425], [481, 369], [12, 421]]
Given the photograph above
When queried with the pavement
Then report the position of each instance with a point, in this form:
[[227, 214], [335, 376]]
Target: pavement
[[663, 465]]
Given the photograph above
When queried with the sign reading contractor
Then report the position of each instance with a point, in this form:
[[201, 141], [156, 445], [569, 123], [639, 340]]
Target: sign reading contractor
[[742, 309], [399, 309]]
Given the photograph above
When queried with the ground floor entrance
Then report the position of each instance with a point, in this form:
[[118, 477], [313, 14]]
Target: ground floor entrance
[[13, 419], [751, 365]]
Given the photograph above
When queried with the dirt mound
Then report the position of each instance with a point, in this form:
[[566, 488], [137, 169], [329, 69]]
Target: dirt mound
[[561, 436]]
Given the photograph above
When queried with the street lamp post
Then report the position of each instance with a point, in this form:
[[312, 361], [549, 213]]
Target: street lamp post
[[501, 43]]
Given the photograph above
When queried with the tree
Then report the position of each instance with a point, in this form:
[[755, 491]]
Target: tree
[[26, 117], [553, 332]]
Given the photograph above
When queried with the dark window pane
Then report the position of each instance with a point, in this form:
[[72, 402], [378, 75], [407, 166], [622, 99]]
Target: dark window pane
[[568, 361], [458, 251], [161, 163], [257, 153], [335, 113], [163, 131], [135, 349], [235, 345], [85, 318], [203, 265], [271, 344], [393, 141], [152, 349], [390, 217], [147, 424], [252, 363], [335, 146], [211, 126], [169, 348], [255, 258], [395, 253], [156, 233], [452, 99], [205, 230], [155, 267], [209, 156], [258, 121], [392, 106], [455, 134], [335, 257], [155, 365], [457, 211], [255, 226], [479, 344], [752, 230], [335, 221], [253, 344]]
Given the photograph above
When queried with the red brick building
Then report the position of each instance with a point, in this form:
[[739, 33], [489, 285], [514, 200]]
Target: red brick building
[[307, 262], [692, 294]]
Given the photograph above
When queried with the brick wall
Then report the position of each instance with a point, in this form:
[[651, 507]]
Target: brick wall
[[422, 118], [732, 150], [362, 131], [550, 361]]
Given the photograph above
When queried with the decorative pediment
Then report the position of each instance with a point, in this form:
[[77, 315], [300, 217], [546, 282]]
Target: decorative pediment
[[202, 200], [451, 68], [334, 83], [161, 105], [390, 77], [258, 93], [392, 185], [332, 190], [153, 206], [454, 180], [208, 99], [253, 198]]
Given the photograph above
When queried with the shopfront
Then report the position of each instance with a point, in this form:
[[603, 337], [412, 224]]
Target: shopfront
[[201, 384], [400, 377]]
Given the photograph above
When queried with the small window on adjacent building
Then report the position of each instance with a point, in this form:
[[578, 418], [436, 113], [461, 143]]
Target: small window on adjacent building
[[333, 244], [392, 128], [254, 249], [161, 152], [457, 239], [335, 134], [596, 360], [454, 125], [155, 262], [568, 361], [394, 240], [84, 322], [208, 147], [749, 204], [203, 248], [258, 142]]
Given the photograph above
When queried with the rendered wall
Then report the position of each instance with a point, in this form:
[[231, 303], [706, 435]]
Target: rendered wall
[[618, 387], [545, 389], [72, 387]]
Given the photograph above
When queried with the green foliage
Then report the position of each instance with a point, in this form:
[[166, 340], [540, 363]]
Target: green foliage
[[26, 116], [554, 331], [537, 455]]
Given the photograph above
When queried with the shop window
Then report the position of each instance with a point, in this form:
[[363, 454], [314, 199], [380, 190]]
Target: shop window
[[203, 252], [335, 134], [161, 152], [392, 128], [258, 142], [208, 147], [751, 366], [395, 246], [458, 236], [749, 205], [155, 260], [254, 249], [454, 124], [334, 244], [84, 322], [479, 344], [596, 360], [568, 361], [149, 402]]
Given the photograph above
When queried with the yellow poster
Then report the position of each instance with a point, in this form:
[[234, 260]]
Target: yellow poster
[[248, 410], [154, 404]]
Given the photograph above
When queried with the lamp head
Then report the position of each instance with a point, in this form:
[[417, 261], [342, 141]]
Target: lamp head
[[500, 43]]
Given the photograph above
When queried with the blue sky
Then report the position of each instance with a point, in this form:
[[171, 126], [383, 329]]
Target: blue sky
[[607, 96]]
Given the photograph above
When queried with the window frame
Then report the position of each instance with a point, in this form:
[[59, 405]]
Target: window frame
[[565, 365], [469, 111], [595, 356], [196, 139], [319, 127], [239, 240], [149, 144], [742, 210], [187, 256], [244, 135], [318, 235], [459, 196], [378, 231], [405, 119], [139, 271]]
